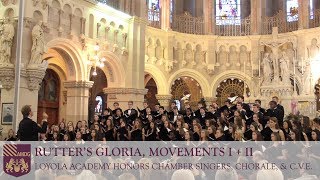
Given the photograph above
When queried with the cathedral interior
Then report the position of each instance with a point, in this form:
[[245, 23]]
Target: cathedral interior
[[80, 56]]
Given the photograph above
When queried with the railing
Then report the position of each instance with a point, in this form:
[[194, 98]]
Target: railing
[[241, 27], [315, 22], [154, 18], [112, 3], [280, 21], [186, 23]]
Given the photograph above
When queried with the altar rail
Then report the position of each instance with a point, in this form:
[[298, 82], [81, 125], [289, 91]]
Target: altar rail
[[280, 21]]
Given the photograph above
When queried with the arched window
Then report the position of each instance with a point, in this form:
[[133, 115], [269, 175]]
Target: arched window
[[228, 12], [154, 10]]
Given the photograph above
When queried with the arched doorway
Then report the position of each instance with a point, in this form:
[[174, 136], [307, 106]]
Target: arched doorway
[[229, 87], [151, 85], [48, 97], [97, 99], [186, 85]]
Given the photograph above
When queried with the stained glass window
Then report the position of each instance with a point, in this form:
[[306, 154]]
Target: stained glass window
[[311, 9], [154, 10], [292, 10], [228, 12]]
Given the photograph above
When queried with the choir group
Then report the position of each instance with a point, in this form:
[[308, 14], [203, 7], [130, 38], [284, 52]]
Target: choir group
[[235, 121]]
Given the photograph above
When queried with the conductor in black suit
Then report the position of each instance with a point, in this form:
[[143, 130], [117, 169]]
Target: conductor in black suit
[[29, 129]]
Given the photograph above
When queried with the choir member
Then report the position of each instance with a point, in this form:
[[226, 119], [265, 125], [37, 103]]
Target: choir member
[[315, 135], [164, 133], [136, 133], [110, 130], [276, 112], [151, 133], [122, 132], [211, 133], [179, 133], [130, 114], [188, 117], [256, 136], [115, 108], [220, 135], [117, 116], [287, 128], [258, 104], [204, 135], [11, 136], [196, 132]]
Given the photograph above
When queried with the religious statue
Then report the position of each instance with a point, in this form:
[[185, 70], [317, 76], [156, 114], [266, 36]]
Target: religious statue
[[188, 54], [284, 67], [244, 55], [223, 56], [267, 68], [38, 44], [313, 50], [233, 56], [200, 55], [7, 35]]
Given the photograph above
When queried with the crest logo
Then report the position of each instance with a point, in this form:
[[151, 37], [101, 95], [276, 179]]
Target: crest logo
[[17, 159]]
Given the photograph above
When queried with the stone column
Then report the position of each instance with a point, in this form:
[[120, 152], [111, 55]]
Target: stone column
[[207, 14], [77, 100], [165, 14], [257, 7], [7, 90], [123, 95], [304, 14], [164, 100]]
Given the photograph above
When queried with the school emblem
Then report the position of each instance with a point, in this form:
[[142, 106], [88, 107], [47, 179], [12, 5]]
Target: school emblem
[[17, 159]]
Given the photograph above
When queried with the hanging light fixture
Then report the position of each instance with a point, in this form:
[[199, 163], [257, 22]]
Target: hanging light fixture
[[96, 60]]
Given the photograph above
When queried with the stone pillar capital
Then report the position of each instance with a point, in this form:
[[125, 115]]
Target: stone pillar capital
[[7, 75], [78, 84], [34, 75]]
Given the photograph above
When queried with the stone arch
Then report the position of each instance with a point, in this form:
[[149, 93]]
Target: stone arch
[[76, 60], [37, 16], [227, 75], [159, 78], [116, 78], [56, 4], [203, 82], [9, 13]]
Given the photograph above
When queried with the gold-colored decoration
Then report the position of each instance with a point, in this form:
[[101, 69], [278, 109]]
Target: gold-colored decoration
[[17, 165]]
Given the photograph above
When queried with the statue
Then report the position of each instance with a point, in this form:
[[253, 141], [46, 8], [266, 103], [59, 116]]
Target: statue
[[313, 50], [233, 56], [222, 56], [244, 55], [38, 44], [188, 54], [6, 42], [284, 67], [267, 68]]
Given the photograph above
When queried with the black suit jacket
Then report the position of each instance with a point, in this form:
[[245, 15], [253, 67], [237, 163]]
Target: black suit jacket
[[28, 130], [133, 115]]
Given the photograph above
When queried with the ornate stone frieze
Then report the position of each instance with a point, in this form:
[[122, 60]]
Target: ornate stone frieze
[[125, 91], [7, 76], [78, 84], [163, 97]]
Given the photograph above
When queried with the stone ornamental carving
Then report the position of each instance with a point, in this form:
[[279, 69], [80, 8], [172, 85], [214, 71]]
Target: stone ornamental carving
[[7, 2], [7, 77], [222, 56], [233, 56], [44, 3], [7, 34], [188, 54], [313, 49], [200, 56], [78, 84], [244, 55], [125, 91], [267, 64], [35, 74], [284, 67], [38, 44]]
